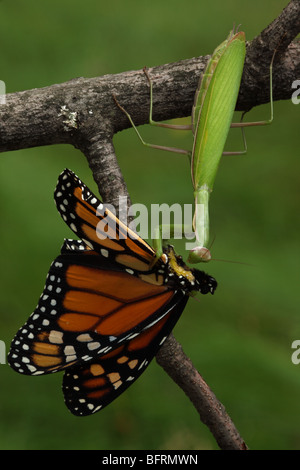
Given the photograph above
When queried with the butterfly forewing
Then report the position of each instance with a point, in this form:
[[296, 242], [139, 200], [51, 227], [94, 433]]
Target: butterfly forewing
[[88, 308], [97, 226]]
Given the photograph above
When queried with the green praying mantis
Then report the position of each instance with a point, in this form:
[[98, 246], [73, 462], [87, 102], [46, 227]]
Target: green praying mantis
[[212, 112]]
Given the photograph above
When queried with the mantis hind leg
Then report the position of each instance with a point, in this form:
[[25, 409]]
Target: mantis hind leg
[[242, 124]]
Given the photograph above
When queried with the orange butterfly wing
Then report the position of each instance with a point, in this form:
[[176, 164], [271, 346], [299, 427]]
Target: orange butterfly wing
[[91, 387], [88, 307], [97, 226]]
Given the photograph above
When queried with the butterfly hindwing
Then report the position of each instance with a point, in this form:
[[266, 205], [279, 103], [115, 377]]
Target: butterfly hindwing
[[91, 387]]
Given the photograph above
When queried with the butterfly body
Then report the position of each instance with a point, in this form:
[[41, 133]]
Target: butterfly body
[[106, 307]]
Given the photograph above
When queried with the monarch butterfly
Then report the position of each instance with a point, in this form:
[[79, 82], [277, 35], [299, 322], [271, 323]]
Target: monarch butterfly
[[107, 305]]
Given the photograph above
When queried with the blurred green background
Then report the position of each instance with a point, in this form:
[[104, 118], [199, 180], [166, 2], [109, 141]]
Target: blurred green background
[[241, 338]]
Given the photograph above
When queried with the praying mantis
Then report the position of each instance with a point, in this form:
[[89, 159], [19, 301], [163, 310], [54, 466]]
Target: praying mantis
[[211, 118]]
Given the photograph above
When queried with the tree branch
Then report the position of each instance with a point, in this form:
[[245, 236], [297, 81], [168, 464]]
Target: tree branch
[[82, 113], [43, 116]]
